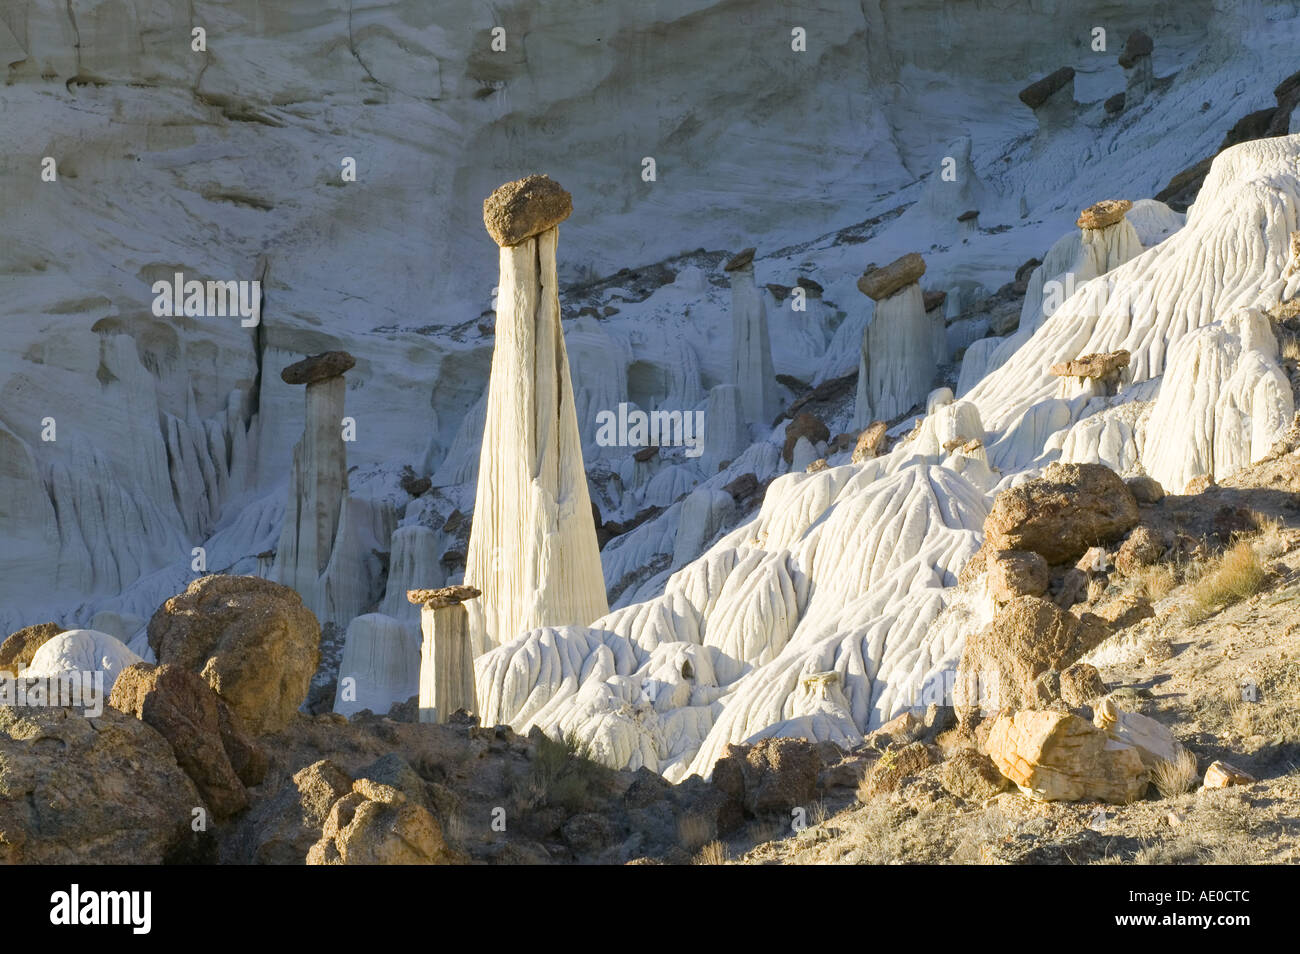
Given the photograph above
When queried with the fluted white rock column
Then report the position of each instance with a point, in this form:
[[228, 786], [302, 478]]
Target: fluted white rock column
[[751, 347], [532, 549], [897, 364], [725, 436], [318, 481], [446, 657]]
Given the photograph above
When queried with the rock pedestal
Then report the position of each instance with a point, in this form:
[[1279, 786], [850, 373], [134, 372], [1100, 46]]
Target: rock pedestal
[[751, 349], [1136, 63], [897, 363], [1052, 100], [533, 545], [318, 482], [446, 659]]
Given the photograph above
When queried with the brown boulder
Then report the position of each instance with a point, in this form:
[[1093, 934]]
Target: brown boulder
[[1015, 573], [1070, 508], [1146, 490], [971, 775], [1136, 46], [526, 207], [739, 260], [1081, 683], [17, 651], [318, 367], [1143, 547], [804, 425], [1221, 774], [1056, 756], [252, 640], [1103, 214], [443, 596], [187, 713], [933, 299], [869, 442], [83, 791], [1035, 94], [898, 763], [1093, 366], [769, 776], [1001, 663], [376, 824], [879, 283]]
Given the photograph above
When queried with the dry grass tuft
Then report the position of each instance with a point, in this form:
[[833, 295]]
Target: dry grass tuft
[[1154, 582], [1237, 574], [1177, 777], [714, 853]]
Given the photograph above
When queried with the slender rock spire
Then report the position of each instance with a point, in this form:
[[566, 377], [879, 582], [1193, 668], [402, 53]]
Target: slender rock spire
[[532, 547], [318, 482], [751, 349]]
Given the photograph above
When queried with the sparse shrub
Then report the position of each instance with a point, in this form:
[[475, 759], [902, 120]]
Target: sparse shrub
[[1154, 582], [564, 774], [714, 853], [1177, 777], [1231, 578], [694, 832]]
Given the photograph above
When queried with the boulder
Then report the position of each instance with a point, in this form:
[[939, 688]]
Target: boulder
[[282, 828], [80, 791], [804, 425], [17, 651], [879, 283], [933, 299], [1145, 490], [1104, 214], [1070, 508], [869, 442], [1136, 46], [318, 367], [443, 596], [1037, 93], [1056, 756], [252, 640], [898, 762], [1143, 547], [740, 260], [1095, 367], [1221, 774], [185, 711], [1015, 573], [772, 775], [970, 774], [376, 824], [1081, 683], [1153, 741], [526, 207], [1001, 663], [1114, 104]]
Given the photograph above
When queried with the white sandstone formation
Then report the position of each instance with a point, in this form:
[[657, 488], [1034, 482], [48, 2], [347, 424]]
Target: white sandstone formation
[[446, 655], [703, 513], [413, 562], [852, 569], [751, 348], [380, 665], [897, 363], [318, 481], [1223, 403], [82, 651], [725, 430], [532, 549]]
